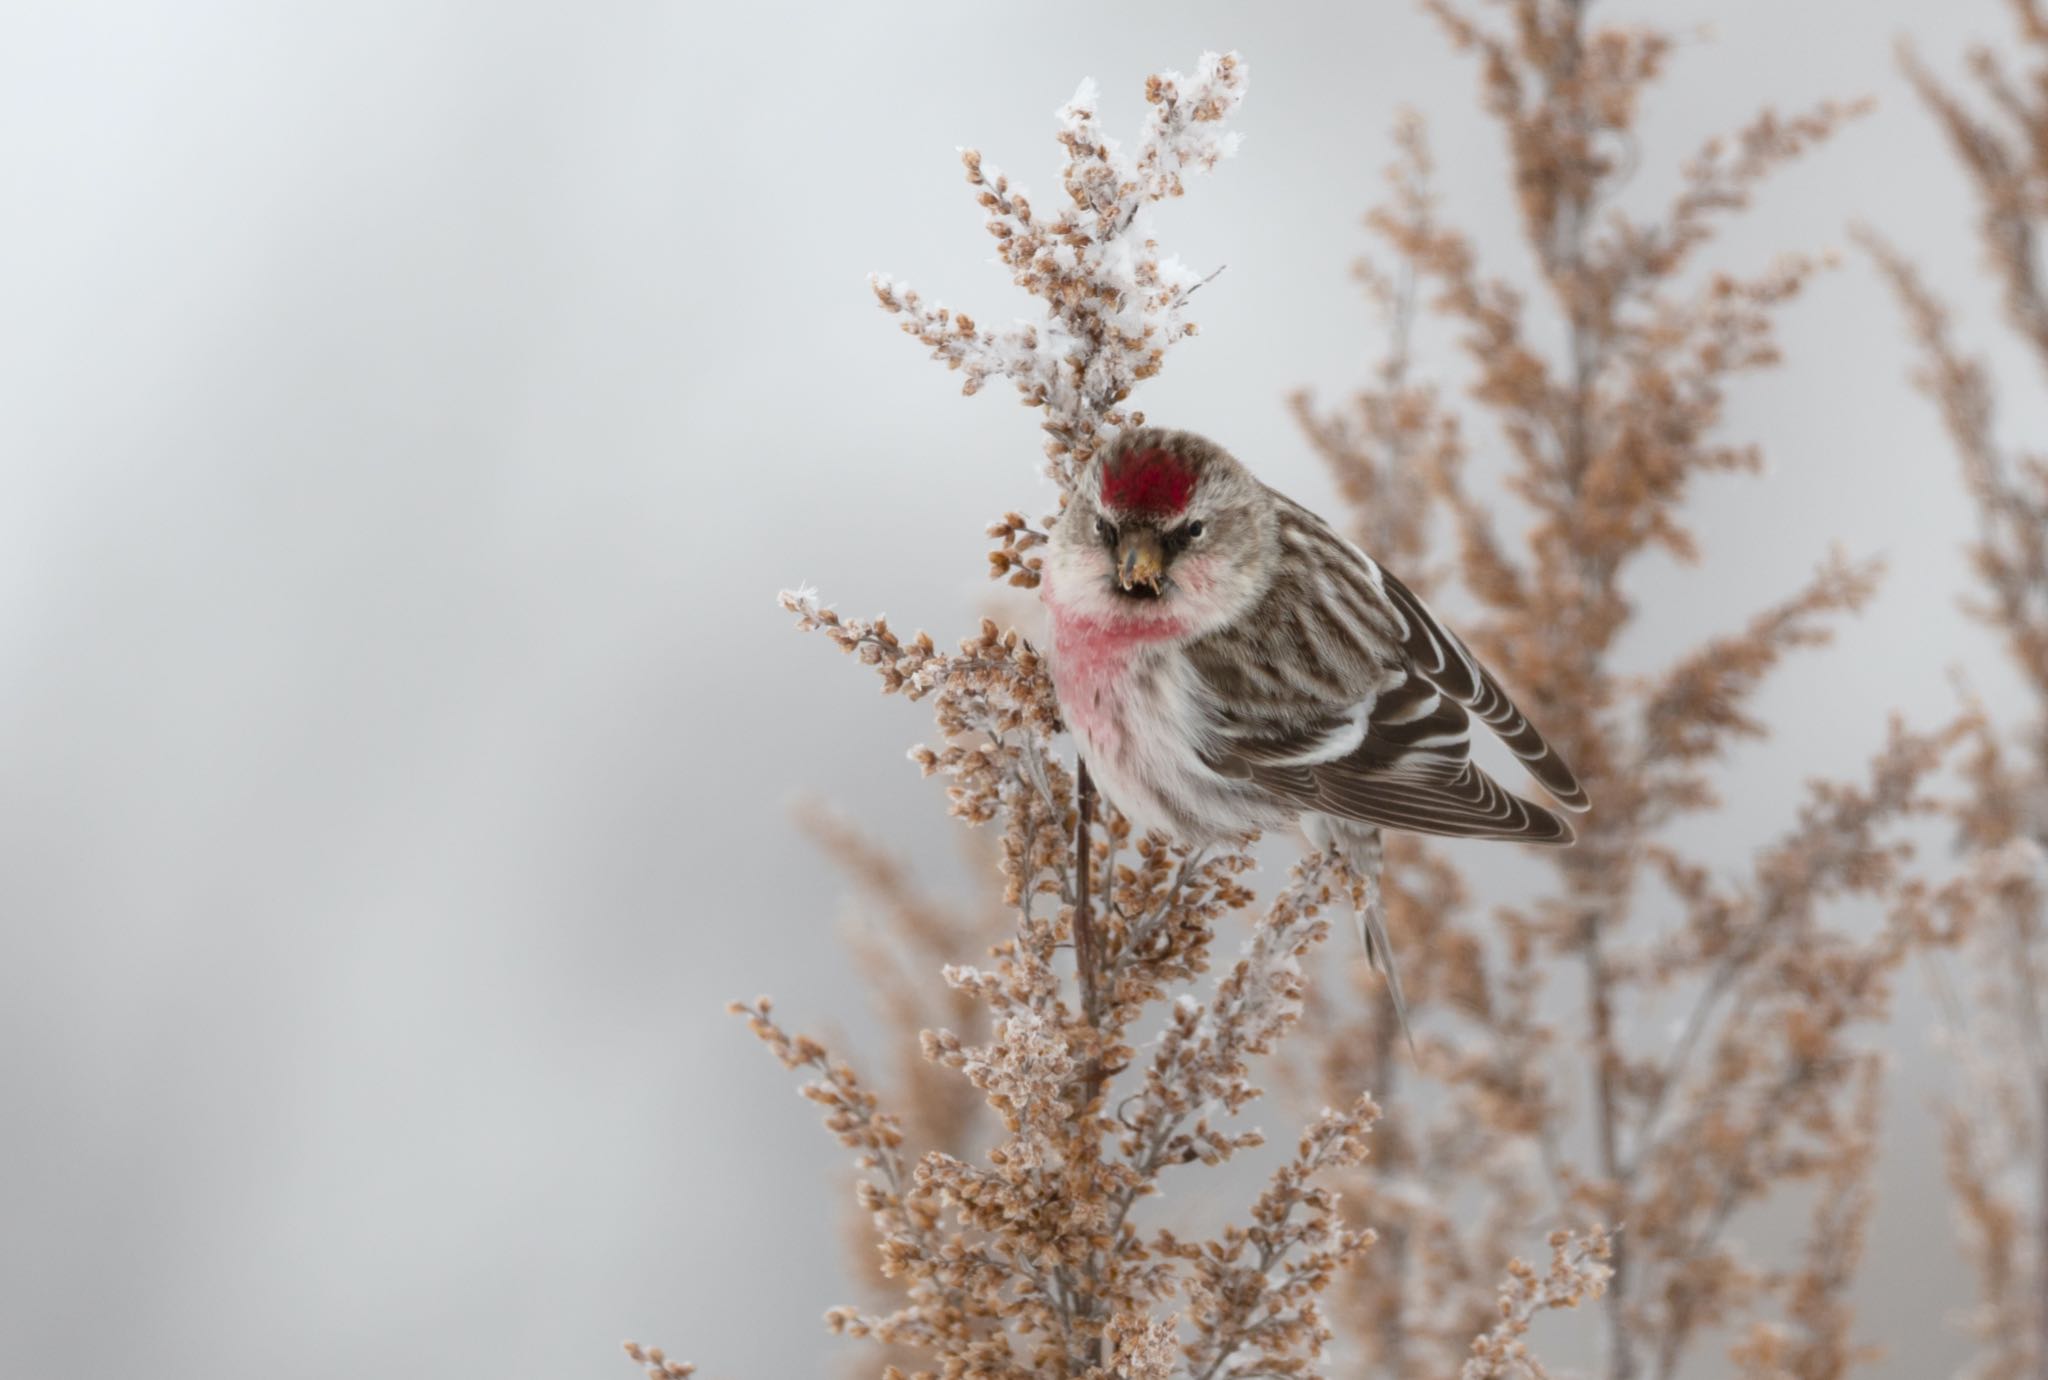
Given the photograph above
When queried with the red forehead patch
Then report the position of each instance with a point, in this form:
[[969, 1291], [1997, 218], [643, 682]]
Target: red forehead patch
[[1154, 481]]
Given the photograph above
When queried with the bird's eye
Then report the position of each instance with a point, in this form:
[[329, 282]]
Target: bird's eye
[[1106, 530], [1193, 529]]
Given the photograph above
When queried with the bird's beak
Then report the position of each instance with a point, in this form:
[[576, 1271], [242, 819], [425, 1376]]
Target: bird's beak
[[1139, 561]]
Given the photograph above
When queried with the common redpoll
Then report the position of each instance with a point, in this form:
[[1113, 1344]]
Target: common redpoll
[[1228, 662]]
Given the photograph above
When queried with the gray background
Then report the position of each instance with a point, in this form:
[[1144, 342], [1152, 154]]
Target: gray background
[[409, 414]]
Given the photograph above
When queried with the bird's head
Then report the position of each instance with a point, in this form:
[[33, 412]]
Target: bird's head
[[1164, 525]]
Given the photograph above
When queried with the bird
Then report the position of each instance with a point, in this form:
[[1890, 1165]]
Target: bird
[[1228, 662]]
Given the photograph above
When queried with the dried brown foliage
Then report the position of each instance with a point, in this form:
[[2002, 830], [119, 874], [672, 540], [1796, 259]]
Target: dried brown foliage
[[1088, 1056], [1996, 1118], [1650, 1045], [1701, 1054]]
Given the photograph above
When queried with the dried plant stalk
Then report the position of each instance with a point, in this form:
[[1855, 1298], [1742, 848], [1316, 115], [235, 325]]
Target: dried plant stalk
[[1014, 1231]]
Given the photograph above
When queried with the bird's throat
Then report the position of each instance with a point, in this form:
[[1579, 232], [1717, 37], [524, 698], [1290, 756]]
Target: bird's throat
[[1095, 659]]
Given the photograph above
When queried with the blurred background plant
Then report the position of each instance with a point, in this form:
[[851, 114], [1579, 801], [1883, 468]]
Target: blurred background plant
[[1649, 1044], [1995, 1109]]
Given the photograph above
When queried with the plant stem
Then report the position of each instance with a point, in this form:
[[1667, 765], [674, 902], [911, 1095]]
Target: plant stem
[[1087, 970], [1087, 957]]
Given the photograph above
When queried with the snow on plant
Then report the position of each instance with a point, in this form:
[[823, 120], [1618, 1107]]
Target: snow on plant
[[1113, 304]]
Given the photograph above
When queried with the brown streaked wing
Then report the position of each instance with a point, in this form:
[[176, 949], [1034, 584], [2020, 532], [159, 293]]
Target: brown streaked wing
[[1424, 787], [1441, 656], [1340, 722]]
